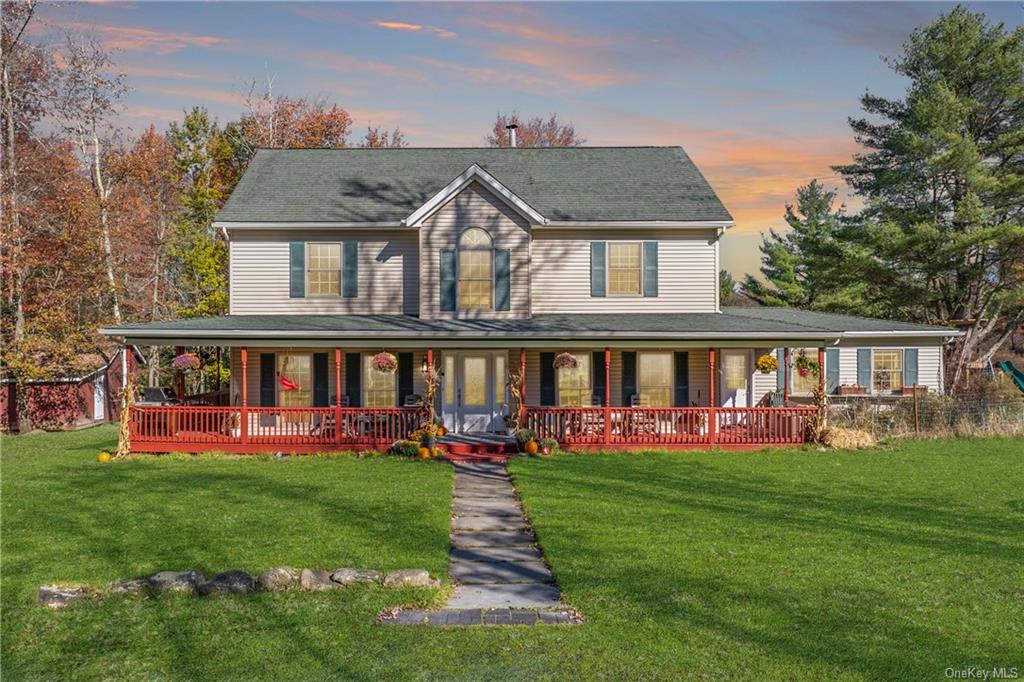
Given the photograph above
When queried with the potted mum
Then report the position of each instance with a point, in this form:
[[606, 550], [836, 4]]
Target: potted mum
[[384, 362], [766, 364]]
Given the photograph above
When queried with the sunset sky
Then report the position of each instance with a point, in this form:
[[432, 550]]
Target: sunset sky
[[758, 94]]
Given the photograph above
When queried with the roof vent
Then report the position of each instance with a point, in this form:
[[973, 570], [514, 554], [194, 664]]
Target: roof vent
[[511, 128]]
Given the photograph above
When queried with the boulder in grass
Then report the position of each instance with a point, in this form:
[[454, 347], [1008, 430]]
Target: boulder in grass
[[316, 580], [278, 579], [57, 596], [229, 582], [410, 577], [351, 576], [133, 586], [176, 581]]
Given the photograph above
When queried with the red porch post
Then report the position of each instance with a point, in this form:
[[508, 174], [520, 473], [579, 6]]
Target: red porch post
[[179, 376], [785, 375], [522, 385], [821, 369], [607, 396], [712, 419], [243, 428], [338, 358]]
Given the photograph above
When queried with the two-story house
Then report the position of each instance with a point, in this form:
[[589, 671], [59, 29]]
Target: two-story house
[[486, 263]]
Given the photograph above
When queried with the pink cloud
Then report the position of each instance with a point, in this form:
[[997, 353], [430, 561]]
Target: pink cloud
[[138, 38], [407, 26], [194, 95]]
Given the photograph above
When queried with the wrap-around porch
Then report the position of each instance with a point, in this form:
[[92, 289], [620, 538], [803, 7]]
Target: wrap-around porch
[[612, 398]]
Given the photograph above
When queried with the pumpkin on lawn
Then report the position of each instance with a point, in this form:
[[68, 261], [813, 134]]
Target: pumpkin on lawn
[[531, 447], [103, 457], [424, 453]]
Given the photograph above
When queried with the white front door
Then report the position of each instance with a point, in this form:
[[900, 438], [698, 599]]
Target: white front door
[[99, 397], [474, 386], [735, 378]]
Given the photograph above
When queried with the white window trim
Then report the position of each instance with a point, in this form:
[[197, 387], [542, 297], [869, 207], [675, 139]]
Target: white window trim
[[458, 268], [789, 370], [672, 375], [277, 375], [903, 368], [608, 268], [366, 359], [590, 384], [341, 269]]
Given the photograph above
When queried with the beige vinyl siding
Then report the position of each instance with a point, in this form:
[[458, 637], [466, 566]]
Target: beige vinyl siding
[[254, 370], [763, 383], [388, 274], [929, 364], [687, 272], [475, 206]]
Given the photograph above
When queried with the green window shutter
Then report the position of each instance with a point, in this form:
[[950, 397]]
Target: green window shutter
[[297, 270], [350, 270], [547, 379], [831, 370], [405, 370], [320, 389], [628, 377], [780, 373], [651, 269], [598, 269], [597, 371], [502, 279], [864, 368], [910, 367], [682, 382], [353, 378], [268, 380], [447, 280]]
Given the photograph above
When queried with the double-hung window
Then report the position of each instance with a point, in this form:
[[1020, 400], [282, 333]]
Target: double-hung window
[[574, 384], [625, 269], [655, 389], [379, 388], [294, 370], [886, 371], [476, 270], [324, 269]]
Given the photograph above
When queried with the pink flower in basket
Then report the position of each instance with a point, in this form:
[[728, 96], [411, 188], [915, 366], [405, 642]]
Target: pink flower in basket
[[802, 371], [565, 361], [384, 362], [185, 361]]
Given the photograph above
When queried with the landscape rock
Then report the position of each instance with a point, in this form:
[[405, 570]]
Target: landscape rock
[[350, 576], [229, 582], [278, 579], [316, 580], [410, 577], [57, 597], [176, 581], [133, 586]]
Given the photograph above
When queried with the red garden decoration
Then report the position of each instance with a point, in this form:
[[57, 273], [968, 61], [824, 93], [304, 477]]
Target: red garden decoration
[[384, 362]]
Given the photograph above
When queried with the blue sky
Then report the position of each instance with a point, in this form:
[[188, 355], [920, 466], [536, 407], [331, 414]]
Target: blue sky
[[757, 93]]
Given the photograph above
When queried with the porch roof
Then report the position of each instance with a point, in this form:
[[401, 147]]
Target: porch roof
[[731, 325]]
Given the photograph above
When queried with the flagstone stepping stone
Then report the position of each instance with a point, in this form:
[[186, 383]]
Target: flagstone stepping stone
[[485, 507], [278, 579], [492, 538], [475, 522], [228, 582], [176, 581], [410, 577], [350, 576], [496, 554], [502, 595], [57, 596], [317, 580], [470, 617], [500, 572]]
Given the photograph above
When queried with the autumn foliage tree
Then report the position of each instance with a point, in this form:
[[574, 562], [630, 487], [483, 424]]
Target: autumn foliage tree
[[534, 132]]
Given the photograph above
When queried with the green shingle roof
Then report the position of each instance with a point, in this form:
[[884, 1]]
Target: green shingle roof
[[731, 324], [386, 185]]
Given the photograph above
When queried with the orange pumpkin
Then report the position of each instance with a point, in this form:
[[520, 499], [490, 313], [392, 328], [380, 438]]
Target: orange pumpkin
[[424, 453], [103, 457], [438, 452], [441, 431], [531, 447]]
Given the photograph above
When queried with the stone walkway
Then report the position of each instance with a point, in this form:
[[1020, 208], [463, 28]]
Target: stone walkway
[[499, 570]]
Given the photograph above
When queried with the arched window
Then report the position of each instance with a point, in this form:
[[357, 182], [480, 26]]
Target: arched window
[[476, 269]]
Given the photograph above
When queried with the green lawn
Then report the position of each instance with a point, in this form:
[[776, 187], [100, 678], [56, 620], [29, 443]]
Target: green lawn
[[888, 564]]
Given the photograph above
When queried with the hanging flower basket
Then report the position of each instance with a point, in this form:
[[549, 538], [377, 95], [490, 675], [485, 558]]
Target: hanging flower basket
[[766, 364], [565, 361], [185, 362], [804, 365], [384, 362]]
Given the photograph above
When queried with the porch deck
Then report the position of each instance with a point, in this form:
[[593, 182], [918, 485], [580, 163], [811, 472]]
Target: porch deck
[[199, 428]]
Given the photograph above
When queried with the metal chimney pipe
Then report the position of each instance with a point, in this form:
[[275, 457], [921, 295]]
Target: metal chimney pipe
[[511, 128]]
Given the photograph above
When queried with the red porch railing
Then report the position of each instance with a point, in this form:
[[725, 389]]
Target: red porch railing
[[670, 425], [193, 428]]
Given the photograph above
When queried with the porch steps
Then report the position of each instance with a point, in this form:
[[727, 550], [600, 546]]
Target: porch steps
[[478, 447]]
